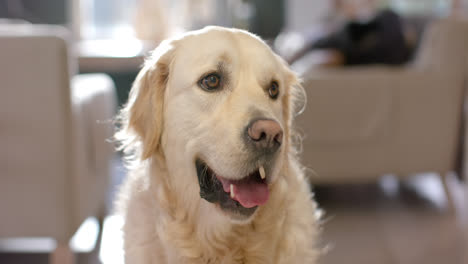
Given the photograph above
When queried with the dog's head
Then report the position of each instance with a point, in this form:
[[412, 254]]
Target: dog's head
[[217, 105]]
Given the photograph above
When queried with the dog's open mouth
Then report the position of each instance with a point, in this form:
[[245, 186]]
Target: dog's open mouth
[[239, 196]]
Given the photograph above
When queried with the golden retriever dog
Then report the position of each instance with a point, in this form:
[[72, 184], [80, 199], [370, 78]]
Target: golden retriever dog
[[214, 176]]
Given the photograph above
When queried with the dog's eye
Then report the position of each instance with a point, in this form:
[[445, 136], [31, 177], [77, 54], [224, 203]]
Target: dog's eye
[[273, 91], [210, 82]]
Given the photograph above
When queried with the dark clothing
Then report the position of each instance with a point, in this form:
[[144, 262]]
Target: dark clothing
[[380, 40]]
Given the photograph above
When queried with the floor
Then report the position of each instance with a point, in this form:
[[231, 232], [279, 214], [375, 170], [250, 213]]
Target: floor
[[390, 222], [395, 223]]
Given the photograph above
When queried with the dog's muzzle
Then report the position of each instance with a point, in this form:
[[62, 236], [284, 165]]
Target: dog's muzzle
[[242, 196]]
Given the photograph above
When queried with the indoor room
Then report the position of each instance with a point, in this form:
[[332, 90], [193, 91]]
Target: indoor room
[[369, 131]]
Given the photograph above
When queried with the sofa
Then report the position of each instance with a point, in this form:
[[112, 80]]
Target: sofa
[[366, 121]]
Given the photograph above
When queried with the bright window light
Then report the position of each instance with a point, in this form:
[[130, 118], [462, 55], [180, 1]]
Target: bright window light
[[112, 241], [86, 236]]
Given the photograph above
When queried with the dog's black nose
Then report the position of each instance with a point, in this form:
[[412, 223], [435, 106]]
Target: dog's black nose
[[266, 135]]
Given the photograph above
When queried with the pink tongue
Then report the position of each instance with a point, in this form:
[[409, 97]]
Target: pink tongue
[[247, 193]]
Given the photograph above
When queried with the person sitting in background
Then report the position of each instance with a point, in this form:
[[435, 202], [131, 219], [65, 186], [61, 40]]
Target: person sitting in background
[[367, 36]]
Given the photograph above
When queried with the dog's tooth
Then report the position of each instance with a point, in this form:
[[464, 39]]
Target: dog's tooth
[[262, 172], [232, 191]]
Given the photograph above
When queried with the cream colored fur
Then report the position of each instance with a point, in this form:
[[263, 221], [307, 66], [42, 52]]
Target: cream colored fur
[[169, 120]]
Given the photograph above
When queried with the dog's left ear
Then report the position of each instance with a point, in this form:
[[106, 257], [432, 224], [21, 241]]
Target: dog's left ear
[[296, 99], [294, 103], [143, 115]]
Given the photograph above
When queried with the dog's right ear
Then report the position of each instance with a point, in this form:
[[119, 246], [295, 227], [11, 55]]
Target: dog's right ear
[[142, 117]]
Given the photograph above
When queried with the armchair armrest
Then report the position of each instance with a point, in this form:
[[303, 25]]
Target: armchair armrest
[[94, 106]]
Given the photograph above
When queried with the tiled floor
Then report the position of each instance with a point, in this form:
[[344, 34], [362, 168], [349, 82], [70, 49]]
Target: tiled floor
[[385, 223]]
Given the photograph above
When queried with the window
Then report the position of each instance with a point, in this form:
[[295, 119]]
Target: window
[[106, 19], [426, 7], [118, 19]]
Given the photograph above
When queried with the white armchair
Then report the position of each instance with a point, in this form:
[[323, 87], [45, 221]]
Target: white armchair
[[363, 122], [54, 131]]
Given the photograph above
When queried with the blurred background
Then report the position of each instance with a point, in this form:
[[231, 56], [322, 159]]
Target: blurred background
[[383, 132]]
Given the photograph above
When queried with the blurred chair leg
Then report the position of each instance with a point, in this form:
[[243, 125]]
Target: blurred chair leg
[[448, 194], [102, 213], [62, 255]]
